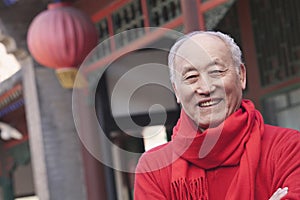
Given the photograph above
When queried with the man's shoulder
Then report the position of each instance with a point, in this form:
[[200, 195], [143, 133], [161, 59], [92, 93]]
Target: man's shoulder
[[280, 137], [280, 159], [277, 131], [156, 158], [157, 148]]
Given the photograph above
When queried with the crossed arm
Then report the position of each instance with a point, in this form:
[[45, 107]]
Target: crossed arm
[[281, 192]]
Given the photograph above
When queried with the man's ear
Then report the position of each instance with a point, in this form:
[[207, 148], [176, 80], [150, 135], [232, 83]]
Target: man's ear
[[176, 93], [243, 76]]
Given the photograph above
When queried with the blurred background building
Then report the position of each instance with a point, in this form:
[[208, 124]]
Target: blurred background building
[[41, 154]]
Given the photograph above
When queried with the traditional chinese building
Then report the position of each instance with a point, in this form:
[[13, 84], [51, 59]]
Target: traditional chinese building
[[261, 28]]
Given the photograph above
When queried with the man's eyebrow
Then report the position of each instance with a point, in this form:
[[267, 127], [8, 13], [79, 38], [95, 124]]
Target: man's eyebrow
[[188, 69], [215, 62]]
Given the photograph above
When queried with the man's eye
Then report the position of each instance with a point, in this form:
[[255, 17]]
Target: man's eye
[[189, 79], [191, 76], [216, 72]]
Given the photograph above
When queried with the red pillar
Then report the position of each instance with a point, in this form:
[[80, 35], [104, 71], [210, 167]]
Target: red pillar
[[94, 176], [247, 36], [192, 17], [96, 187]]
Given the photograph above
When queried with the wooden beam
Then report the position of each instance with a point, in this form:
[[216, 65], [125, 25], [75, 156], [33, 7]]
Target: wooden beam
[[115, 5], [208, 5], [145, 13], [248, 44]]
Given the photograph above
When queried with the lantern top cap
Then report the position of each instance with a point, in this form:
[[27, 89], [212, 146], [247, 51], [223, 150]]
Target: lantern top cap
[[58, 5]]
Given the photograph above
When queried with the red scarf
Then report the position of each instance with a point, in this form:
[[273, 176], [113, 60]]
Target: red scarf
[[234, 142]]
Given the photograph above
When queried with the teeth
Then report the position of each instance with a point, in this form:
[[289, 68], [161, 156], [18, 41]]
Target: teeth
[[208, 103]]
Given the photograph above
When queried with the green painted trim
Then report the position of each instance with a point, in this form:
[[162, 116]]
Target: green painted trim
[[20, 154], [7, 188], [276, 92]]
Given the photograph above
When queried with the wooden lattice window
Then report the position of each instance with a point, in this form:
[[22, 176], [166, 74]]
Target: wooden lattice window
[[163, 11], [128, 17], [276, 26], [102, 27]]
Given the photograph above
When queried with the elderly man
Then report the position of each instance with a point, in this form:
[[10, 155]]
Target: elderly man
[[220, 148]]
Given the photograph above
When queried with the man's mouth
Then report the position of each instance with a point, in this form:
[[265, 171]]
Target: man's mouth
[[208, 103]]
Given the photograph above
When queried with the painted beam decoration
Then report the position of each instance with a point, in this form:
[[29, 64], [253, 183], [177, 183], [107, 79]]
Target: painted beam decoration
[[8, 132], [8, 63]]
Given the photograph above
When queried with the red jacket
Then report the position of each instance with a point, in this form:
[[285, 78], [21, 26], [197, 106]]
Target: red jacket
[[279, 166]]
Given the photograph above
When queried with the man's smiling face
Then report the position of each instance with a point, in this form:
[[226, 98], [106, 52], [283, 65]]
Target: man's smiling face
[[206, 82]]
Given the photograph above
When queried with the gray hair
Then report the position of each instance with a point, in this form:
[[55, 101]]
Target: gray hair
[[230, 43]]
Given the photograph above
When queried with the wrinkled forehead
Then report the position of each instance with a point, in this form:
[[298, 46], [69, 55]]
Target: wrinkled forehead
[[200, 49]]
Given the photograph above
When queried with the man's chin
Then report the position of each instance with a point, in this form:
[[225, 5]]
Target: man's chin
[[211, 124]]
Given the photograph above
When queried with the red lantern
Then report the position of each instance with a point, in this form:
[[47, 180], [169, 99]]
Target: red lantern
[[61, 37]]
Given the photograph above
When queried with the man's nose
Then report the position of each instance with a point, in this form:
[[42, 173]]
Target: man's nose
[[203, 86]]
